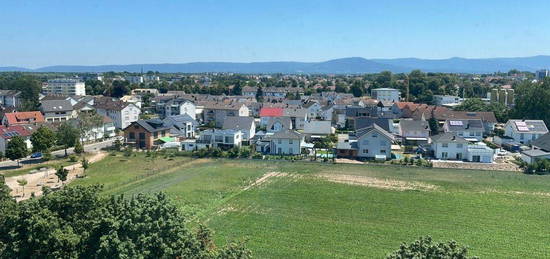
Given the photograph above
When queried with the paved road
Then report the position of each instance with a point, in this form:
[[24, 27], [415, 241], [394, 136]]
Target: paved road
[[8, 165]]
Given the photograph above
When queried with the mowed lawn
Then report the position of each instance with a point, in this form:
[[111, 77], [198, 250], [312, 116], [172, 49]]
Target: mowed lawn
[[300, 211]]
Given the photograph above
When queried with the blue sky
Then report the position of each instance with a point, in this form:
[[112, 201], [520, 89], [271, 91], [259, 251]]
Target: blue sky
[[40, 33]]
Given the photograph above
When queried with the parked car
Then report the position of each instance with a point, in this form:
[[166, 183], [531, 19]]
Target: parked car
[[36, 155]]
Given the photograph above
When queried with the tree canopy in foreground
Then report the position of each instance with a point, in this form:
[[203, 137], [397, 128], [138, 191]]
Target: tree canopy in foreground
[[76, 222], [425, 247]]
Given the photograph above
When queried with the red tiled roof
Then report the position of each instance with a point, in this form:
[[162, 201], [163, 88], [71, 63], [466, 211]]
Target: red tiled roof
[[12, 131], [402, 105], [271, 112], [15, 118]]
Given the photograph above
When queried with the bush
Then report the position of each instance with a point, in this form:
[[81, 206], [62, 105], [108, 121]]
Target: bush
[[78, 148], [73, 158], [47, 156]]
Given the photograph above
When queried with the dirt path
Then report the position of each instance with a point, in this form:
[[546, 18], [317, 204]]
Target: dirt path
[[46, 178]]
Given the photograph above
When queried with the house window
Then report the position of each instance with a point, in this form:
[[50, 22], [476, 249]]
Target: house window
[[279, 151], [382, 151], [472, 134], [290, 151], [444, 155], [155, 134], [290, 141], [458, 145], [279, 141], [445, 145], [521, 136], [478, 134], [365, 151], [141, 135], [374, 135], [132, 135]]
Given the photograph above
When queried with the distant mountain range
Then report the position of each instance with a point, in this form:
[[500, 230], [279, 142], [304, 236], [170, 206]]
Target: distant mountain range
[[354, 65]]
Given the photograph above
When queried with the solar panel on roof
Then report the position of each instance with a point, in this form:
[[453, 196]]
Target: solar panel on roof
[[456, 123], [523, 128], [521, 124]]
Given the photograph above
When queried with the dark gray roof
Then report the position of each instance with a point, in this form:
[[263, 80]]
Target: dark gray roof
[[56, 105], [414, 125], [9, 92], [179, 120], [543, 142], [152, 125], [299, 113], [358, 111], [374, 127], [238, 122], [363, 122], [448, 137], [535, 152], [456, 125], [284, 134]]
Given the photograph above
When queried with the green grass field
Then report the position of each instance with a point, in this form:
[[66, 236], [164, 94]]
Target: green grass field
[[297, 213]]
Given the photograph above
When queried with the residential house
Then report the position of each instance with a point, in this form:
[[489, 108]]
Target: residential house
[[471, 130], [182, 126], [363, 122], [57, 110], [313, 109], [224, 139], [326, 112], [414, 132], [22, 118], [105, 130], [374, 142], [480, 153], [285, 142], [266, 113], [449, 146], [146, 134], [276, 124], [144, 91], [317, 129], [525, 131], [245, 124], [250, 91], [10, 98], [122, 114], [298, 117], [216, 112], [540, 150], [346, 146], [177, 106], [6, 133]]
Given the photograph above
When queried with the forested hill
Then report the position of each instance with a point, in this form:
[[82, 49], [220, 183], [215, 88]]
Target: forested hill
[[354, 65]]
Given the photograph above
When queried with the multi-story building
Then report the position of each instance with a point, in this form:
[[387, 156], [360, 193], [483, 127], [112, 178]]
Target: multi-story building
[[386, 94], [541, 74], [57, 110], [146, 134], [65, 87], [122, 114], [525, 131]]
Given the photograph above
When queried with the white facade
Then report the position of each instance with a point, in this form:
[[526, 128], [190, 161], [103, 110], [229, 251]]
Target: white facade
[[65, 87], [480, 153], [386, 94], [122, 118], [447, 100], [220, 138], [180, 108], [528, 134], [286, 146], [451, 150], [374, 144]]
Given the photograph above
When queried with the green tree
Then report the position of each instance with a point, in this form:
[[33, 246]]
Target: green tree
[[77, 222], [16, 149], [426, 248], [78, 148], [434, 125], [260, 94], [62, 174], [85, 165], [42, 139], [86, 122], [67, 135], [237, 89], [22, 182], [532, 101], [477, 105], [357, 88]]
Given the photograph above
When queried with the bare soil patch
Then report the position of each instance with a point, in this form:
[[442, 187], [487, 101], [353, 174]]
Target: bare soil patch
[[396, 185], [264, 179]]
